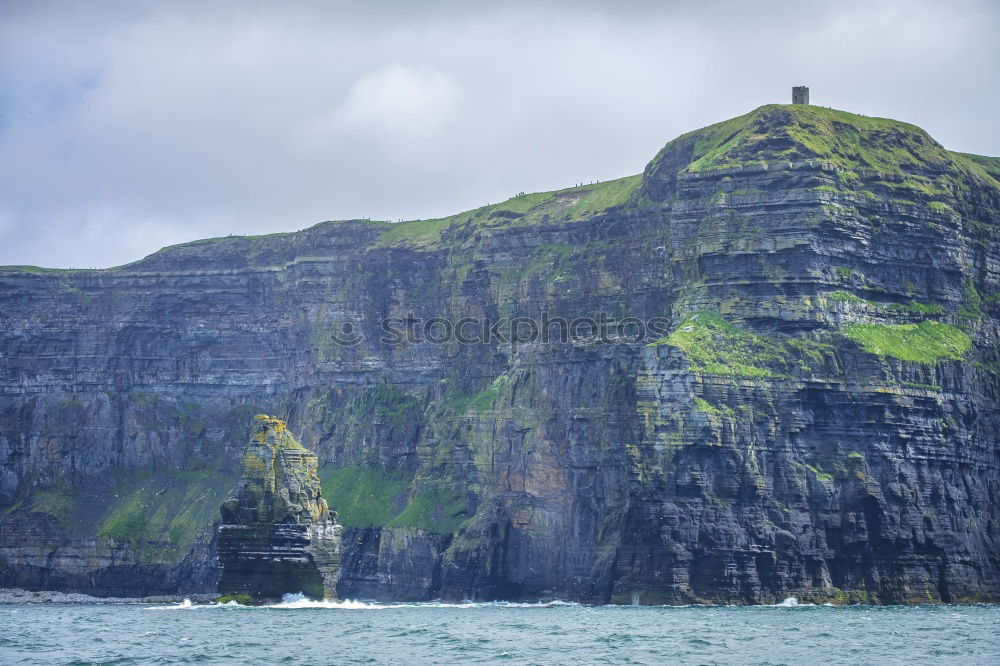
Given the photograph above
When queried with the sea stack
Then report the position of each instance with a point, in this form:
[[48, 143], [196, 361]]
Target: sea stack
[[277, 534]]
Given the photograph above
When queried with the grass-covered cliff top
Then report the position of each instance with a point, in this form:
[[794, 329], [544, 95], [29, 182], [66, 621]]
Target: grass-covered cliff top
[[780, 132], [559, 205], [990, 165]]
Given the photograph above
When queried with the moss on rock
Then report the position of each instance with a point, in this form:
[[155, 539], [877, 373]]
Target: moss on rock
[[363, 497], [925, 342], [715, 346]]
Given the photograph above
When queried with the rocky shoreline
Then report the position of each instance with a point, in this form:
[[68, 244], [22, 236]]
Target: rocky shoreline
[[19, 596]]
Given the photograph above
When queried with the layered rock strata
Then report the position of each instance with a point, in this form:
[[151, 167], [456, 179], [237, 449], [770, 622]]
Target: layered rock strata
[[277, 535]]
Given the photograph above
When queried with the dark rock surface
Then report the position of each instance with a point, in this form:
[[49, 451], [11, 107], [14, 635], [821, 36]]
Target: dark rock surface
[[277, 536], [817, 416]]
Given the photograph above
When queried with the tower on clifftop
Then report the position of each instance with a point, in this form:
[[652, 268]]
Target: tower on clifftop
[[800, 95]]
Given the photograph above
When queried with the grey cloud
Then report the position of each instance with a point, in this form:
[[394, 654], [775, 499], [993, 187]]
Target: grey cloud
[[126, 126]]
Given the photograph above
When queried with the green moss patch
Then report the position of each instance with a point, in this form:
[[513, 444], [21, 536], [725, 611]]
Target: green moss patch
[[376, 498], [58, 502], [990, 165], [241, 599], [846, 297], [434, 508], [820, 475], [913, 307], [415, 232], [165, 511], [707, 407], [918, 308], [567, 204], [972, 302], [846, 140], [457, 401], [363, 497], [715, 346], [926, 342]]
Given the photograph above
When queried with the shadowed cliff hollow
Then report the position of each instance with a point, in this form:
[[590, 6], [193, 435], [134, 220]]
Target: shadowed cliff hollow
[[818, 414]]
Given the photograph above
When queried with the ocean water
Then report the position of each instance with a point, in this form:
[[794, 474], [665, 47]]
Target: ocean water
[[298, 631]]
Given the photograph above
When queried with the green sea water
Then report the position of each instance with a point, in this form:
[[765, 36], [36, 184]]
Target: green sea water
[[303, 632]]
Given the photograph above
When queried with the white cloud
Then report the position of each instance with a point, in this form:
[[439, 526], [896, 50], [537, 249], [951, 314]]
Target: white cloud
[[125, 126], [399, 103]]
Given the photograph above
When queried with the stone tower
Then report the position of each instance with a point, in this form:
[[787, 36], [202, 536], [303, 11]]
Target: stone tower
[[800, 95]]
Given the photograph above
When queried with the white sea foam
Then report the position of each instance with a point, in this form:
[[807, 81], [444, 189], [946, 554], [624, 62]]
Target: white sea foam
[[300, 601], [791, 602], [181, 606], [297, 601]]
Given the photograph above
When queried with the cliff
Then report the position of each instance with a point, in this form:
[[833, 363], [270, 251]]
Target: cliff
[[807, 405]]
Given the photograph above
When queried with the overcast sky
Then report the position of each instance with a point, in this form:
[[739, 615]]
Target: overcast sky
[[127, 126]]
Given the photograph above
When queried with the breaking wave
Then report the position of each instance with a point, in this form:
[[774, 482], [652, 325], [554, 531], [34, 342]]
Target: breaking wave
[[300, 601], [295, 601], [181, 606]]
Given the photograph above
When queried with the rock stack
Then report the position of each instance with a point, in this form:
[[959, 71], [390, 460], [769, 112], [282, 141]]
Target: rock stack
[[277, 535]]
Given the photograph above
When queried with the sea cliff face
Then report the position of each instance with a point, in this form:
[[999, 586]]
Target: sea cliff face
[[807, 405]]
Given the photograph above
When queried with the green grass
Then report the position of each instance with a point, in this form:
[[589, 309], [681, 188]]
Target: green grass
[[375, 498], [457, 401], [705, 143], [416, 232], [165, 510], [706, 406], [566, 204], [847, 140], [918, 308], [913, 307], [820, 475], [435, 508], [23, 268], [846, 297], [58, 502], [990, 165], [128, 520], [972, 302], [927, 342], [362, 497], [608, 194], [715, 346], [224, 239]]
